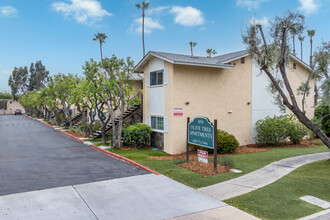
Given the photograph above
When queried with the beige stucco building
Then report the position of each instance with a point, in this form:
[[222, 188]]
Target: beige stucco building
[[228, 88]]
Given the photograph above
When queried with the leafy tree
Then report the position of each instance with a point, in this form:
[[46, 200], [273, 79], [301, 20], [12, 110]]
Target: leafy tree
[[119, 72], [5, 95], [100, 37], [275, 56], [38, 77], [210, 52], [63, 85], [192, 44], [144, 6], [17, 81]]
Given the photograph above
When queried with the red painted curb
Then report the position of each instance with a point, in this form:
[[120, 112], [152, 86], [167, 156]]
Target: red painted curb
[[111, 154]]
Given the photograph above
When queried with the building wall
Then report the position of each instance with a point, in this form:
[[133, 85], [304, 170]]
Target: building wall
[[13, 105], [262, 100], [296, 77], [221, 94]]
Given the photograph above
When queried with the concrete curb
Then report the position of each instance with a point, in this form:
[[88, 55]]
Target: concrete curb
[[111, 154]]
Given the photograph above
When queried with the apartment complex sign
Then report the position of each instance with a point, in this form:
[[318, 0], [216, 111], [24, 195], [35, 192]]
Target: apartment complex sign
[[201, 132]]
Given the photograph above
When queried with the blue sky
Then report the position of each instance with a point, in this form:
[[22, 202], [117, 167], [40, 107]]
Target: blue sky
[[60, 32]]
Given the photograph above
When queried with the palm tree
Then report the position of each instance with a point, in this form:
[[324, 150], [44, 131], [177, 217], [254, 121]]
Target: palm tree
[[192, 44], [301, 38], [101, 38], [144, 7], [210, 51], [311, 34], [293, 32]]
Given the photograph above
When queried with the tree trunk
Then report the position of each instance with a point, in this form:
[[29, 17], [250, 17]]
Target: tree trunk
[[101, 51], [191, 50], [84, 122], [311, 52], [144, 53], [120, 124], [315, 95], [104, 137], [294, 45], [301, 50], [113, 136]]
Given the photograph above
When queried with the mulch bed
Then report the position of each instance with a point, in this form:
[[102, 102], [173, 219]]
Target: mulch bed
[[203, 168], [251, 148]]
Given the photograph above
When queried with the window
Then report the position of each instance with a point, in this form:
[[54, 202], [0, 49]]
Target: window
[[294, 66], [156, 78], [157, 123], [242, 59]]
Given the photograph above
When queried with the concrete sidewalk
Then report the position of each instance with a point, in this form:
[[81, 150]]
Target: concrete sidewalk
[[147, 196], [261, 177]]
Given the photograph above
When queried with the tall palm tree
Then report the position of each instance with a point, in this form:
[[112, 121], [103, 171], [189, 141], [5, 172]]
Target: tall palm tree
[[210, 51], [311, 34], [301, 39], [293, 32], [192, 44], [144, 6], [101, 38]]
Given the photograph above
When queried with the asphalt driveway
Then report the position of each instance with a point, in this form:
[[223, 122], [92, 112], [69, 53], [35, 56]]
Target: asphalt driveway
[[34, 157]]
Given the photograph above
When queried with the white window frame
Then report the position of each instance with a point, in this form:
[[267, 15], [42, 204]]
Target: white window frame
[[165, 80], [165, 123]]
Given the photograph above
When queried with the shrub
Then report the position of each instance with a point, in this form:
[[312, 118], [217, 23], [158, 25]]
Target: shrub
[[272, 130], [226, 143], [296, 130], [226, 161], [322, 115], [137, 135]]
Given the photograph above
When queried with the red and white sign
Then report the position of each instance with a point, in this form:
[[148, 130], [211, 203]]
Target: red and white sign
[[202, 156], [178, 112]]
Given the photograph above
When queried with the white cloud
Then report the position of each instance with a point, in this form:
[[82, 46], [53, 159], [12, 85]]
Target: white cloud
[[250, 4], [8, 11], [149, 25], [309, 6], [263, 21], [5, 70], [83, 11], [156, 11], [187, 16]]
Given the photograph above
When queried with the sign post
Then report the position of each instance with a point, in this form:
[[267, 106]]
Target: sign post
[[201, 132], [187, 153], [215, 145]]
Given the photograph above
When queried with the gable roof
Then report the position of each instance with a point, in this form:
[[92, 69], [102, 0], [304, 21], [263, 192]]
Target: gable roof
[[215, 62], [181, 59]]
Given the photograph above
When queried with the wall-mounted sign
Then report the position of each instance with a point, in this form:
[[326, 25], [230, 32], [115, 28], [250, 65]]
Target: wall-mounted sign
[[178, 112], [201, 132], [202, 156]]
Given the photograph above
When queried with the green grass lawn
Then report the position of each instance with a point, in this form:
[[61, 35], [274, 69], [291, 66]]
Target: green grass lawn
[[280, 200], [97, 139], [245, 162]]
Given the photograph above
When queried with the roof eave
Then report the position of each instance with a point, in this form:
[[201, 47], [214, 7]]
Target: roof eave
[[139, 67], [301, 62], [226, 66]]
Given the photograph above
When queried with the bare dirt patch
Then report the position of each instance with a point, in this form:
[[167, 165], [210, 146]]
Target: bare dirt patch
[[203, 168], [74, 134]]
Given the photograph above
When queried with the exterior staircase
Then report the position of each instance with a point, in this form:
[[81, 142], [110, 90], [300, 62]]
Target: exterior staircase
[[128, 113], [75, 119]]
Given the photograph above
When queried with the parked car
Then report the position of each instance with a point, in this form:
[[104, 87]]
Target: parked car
[[18, 112]]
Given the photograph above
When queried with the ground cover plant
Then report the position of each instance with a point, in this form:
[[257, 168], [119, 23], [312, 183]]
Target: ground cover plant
[[280, 200]]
